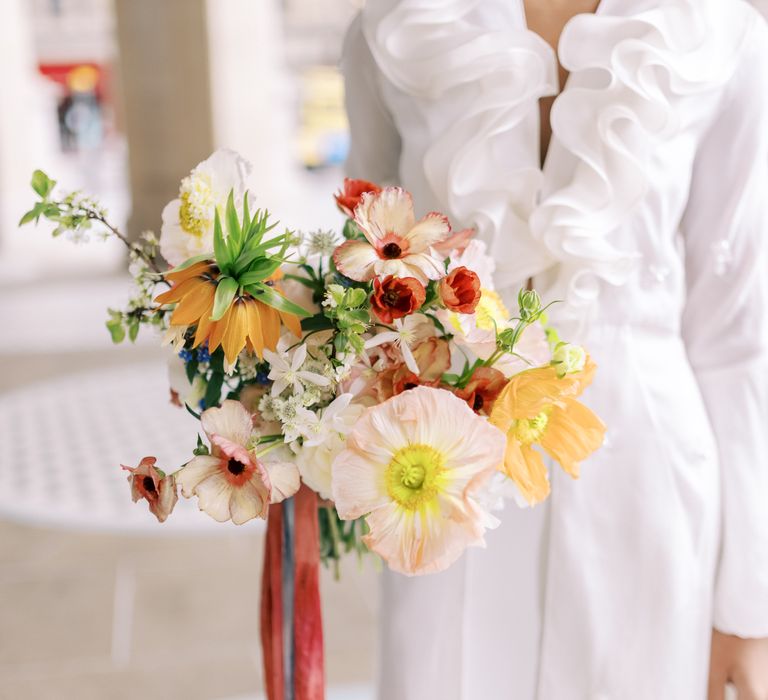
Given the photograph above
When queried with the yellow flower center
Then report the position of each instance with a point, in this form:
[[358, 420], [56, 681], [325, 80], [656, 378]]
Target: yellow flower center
[[197, 204], [528, 430], [413, 475], [490, 310]]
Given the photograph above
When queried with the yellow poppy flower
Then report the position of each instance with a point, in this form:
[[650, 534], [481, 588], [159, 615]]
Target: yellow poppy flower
[[247, 323], [537, 407]]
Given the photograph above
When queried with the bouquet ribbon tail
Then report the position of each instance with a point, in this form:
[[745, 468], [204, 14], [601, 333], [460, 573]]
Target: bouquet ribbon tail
[[272, 606], [307, 681], [309, 671]]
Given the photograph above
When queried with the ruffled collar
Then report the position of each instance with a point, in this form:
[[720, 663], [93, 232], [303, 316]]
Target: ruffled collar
[[630, 64]]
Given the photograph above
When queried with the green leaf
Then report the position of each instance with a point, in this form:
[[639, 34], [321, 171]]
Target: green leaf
[[270, 297], [318, 322], [260, 271], [351, 231], [191, 369], [233, 223], [32, 214], [213, 390], [246, 214], [219, 245], [191, 261], [133, 329], [116, 330], [252, 252], [42, 184], [225, 293]]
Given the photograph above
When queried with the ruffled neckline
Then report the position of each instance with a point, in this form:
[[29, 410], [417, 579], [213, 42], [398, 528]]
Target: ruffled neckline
[[630, 64]]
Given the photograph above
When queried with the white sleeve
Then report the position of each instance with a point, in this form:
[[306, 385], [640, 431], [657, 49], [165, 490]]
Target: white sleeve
[[374, 140], [725, 326]]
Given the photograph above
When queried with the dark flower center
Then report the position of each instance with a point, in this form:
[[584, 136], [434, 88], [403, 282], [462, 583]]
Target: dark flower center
[[391, 251], [391, 298], [236, 468], [410, 385], [149, 484], [477, 404]]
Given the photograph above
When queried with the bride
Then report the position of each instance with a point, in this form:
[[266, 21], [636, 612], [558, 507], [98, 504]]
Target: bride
[[617, 154]]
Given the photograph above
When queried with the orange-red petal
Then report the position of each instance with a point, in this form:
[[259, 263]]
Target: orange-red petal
[[270, 325], [291, 322], [255, 332], [233, 340], [194, 304], [195, 270]]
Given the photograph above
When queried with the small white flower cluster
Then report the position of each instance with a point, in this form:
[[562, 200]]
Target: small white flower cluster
[[76, 214], [144, 277], [300, 382], [314, 423], [322, 243], [247, 366]]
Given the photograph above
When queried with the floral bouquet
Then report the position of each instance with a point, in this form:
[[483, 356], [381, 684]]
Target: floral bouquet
[[368, 391]]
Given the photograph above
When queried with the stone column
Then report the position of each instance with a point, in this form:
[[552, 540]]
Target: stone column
[[166, 99]]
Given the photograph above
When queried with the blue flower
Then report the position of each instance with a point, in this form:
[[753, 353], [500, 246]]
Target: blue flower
[[202, 354], [185, 355]]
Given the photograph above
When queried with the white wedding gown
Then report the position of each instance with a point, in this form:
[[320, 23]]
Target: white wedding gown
[[649, 220]]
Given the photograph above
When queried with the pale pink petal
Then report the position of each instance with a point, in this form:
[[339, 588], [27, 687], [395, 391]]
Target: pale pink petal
[[431, 230], [231, 421], [213, 495], [232, 450], [389, 212], [424, 266], [285, 480], [355, 259], [246, 503], [196, 470], [357, 483], [456, 243], [414, 543]]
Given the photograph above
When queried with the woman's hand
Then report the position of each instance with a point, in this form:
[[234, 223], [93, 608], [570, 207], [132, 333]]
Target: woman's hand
[[743, 662]]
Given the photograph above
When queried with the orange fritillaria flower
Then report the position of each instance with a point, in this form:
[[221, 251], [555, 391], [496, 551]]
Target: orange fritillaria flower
[[247, 323], [537, 407]]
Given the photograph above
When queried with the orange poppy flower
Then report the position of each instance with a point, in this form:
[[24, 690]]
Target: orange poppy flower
[[247, 323], [537, 407]]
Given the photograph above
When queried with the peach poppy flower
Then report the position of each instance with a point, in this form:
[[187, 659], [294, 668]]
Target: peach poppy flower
[[232, 482], [538, 407], [419, 483], [395, 243], [151, 484]]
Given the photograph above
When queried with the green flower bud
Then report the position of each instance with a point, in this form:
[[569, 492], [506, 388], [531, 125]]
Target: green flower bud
[[530, 304], [568, 358]]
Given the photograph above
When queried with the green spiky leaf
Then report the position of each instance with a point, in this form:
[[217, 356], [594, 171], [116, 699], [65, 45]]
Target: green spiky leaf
[[262, 269], [270, 297], [225, 293], [219, 244], [191, 261]]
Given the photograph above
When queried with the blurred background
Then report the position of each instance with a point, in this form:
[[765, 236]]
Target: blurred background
[[122, 98]]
